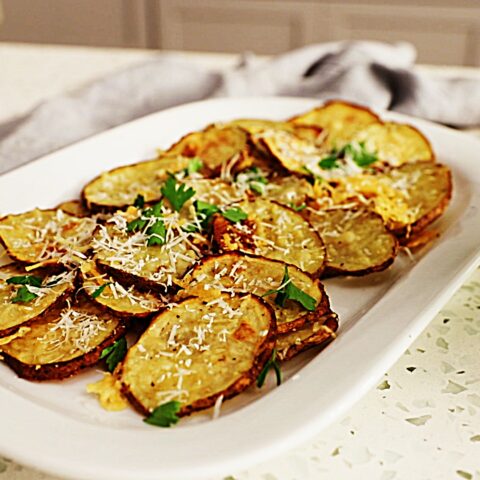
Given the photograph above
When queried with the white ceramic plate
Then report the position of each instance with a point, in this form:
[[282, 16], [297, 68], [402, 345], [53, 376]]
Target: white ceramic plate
[[58, 428]]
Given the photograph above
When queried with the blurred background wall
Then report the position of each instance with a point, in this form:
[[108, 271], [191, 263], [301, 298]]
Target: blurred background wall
[[444, 31]]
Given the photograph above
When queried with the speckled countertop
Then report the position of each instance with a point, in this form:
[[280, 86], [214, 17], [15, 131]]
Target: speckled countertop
[[422, 421]]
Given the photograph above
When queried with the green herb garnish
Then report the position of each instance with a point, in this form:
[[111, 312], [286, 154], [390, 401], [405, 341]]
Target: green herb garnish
[[114, 353], [156, 231], [100, 290], [176, 195], [158, 234], [289, 291], [271, 363], [256, 180], [297, 208], [24, 295], [205, 211], [359, 154], [235, 214], [329, 162], [205, 208], [164, 415], [194, 166], [32, 280], [139, 201]]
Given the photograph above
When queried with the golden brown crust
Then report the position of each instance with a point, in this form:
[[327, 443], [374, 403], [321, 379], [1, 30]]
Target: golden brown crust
[[62, 370], [274, 231], [289, 318], [59, 344], [289, 346], [145, 304], [245, 378], [356, 238], [17, 269], [35, 251]]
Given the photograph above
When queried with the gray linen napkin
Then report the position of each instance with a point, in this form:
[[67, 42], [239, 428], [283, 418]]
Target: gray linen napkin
[[375, 74]]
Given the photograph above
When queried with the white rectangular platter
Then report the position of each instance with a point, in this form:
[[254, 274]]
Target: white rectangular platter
[[58, 428]]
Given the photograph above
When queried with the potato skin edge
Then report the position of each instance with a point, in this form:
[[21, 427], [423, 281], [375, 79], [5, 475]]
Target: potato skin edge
[[238, 386], [62, 370]]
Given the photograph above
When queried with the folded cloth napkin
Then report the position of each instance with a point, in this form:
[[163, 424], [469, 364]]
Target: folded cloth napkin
[[375, 74]]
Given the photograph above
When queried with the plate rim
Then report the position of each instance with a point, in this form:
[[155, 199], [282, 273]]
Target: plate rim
[[78, 466]]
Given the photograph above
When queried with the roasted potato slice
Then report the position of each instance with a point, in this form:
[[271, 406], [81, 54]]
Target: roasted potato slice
[[129, 259], [62, 342], [340, 121], [294, 154], [396, 143], [318, 333], [46, 237], [290, 191], [273, 231], [75, 208], [255, 126], [215, 146], [124, 301], [198, 351], [408, 198], [118, 188], [356, 239], [235, 273], [17, 310]]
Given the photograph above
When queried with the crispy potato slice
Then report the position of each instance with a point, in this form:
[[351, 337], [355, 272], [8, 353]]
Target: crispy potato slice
[[255, 126], [198, 351], [215, 146], [294, 154], [396, 143], [75, 208], [319, 333], [64, 341], [290, 191], [124, 301], [118, 188], [340, 120], [128, 258], [13, 315], [237, 272], [46, 236], [356, 239], [273, 231], [408, 198]]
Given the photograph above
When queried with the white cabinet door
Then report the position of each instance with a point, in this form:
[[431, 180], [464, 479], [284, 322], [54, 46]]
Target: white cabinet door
[[265, 27], [113, 23]]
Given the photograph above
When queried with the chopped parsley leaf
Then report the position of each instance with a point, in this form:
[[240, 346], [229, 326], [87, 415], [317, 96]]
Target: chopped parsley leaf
[[329, 162], [207, 209], [157, 232], [359, 154], [255, 179], [164, 415], [139, 201], [271, 363], [297, 208], [235, 214], [100, 290], [115, 353], [289, 291], [194, 165], [32, 280], [205, 212], [176, 196], [24, 295]]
